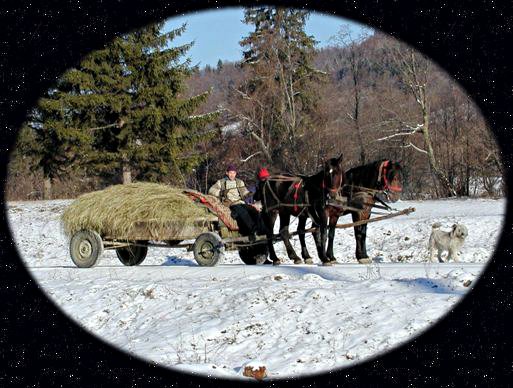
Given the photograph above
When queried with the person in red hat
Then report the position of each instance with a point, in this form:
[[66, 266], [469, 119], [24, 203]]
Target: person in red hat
[[263, 174], [232, 192]]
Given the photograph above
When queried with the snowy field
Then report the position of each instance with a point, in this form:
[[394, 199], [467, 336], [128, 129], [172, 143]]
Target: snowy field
[[293, 319]]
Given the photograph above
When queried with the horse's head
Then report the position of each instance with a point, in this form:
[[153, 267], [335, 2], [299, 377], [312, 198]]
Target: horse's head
[[333, 176], [391, 180]]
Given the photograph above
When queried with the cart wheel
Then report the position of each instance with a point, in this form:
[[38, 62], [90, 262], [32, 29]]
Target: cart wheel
[[208, 249], [133, 254], [256, 254], [85, 248]]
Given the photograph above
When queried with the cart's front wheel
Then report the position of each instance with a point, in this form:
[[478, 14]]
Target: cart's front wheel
[[208, 249], [254, 254], [133, 254], [85, 248]]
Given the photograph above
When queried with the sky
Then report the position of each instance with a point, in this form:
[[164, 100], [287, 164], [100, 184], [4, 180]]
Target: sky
[[217, 33]]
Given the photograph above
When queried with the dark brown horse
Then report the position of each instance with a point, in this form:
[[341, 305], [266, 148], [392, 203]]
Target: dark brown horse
[[302, 197], [381, 182]]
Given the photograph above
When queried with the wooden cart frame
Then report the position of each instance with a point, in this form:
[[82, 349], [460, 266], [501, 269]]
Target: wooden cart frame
[[211, 237]]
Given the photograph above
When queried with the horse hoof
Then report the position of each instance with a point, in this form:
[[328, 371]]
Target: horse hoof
[[298, 261], [277, 262], [309, 261], [366, 260], [327, 263], [333, 261]]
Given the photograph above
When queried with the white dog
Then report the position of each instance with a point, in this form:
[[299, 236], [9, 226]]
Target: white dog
[[446, 241]]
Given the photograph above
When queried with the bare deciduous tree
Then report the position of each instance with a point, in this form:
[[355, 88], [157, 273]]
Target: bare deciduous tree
[[414, 71], [353, 55]]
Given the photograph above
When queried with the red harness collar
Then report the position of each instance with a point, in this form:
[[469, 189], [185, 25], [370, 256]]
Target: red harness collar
[[383, 173], [297, 186]]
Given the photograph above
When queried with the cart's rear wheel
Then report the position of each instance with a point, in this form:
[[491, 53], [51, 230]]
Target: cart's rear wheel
[[254, 254], [208, 249], [133, 254], [85, 248]]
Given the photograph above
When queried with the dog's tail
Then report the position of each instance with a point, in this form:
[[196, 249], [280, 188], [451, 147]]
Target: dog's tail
[[436, 225]]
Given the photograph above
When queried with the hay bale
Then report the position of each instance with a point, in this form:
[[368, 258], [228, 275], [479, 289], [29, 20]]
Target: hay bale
[[118, 210]]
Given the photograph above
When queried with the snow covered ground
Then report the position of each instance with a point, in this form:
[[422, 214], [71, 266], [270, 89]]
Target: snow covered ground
[[293, 319]]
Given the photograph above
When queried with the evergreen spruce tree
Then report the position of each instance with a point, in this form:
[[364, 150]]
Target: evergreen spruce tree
[[121, 113], [51, 140], [279, 56], [131, 98]]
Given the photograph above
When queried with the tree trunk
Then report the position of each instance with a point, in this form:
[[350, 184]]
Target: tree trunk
[[127, 175], [47, 188], [439, 174], [355, 67], [360, 142], [263, 147]]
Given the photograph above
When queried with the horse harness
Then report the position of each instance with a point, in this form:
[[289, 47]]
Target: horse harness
[[381, 181], [383, 173], [296, 186]]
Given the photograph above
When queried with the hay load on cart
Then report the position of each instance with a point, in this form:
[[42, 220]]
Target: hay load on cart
[[130, 218]]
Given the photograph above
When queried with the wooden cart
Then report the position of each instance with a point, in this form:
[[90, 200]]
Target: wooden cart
[[212, 235]]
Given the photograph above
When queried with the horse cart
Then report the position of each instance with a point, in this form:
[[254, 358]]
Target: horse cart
[[211, 234], [208, 233]]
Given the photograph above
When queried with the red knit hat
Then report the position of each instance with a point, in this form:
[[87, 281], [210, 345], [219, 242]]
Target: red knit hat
[[263, 174]]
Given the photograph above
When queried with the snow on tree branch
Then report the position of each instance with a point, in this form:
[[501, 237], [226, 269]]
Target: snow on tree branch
[[414, 147], [406, 132]]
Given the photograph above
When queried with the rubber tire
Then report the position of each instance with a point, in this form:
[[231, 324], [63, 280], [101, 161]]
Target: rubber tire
[[208, 249], [132, 255], [249, 255], [85, 247]]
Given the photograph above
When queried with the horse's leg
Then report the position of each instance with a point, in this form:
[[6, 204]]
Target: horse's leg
[[285, 236], [320, 236], [331, 236], [324, 236], [269, 220], [360, 234], [301, 232], [316, 234]]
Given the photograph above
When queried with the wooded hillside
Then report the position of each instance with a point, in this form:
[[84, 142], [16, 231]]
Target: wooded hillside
[[137, 111]]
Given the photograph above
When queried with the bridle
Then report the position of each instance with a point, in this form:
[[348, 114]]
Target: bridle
[[331, 189], [382, 179]]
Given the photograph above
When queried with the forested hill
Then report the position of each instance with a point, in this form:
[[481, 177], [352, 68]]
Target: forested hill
[[285, 105]]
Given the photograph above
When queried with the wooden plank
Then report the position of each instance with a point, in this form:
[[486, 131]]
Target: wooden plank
[[376, 219], [363, 222]]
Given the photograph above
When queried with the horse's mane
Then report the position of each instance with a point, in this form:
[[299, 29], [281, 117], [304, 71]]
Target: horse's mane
[[365, 166]]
